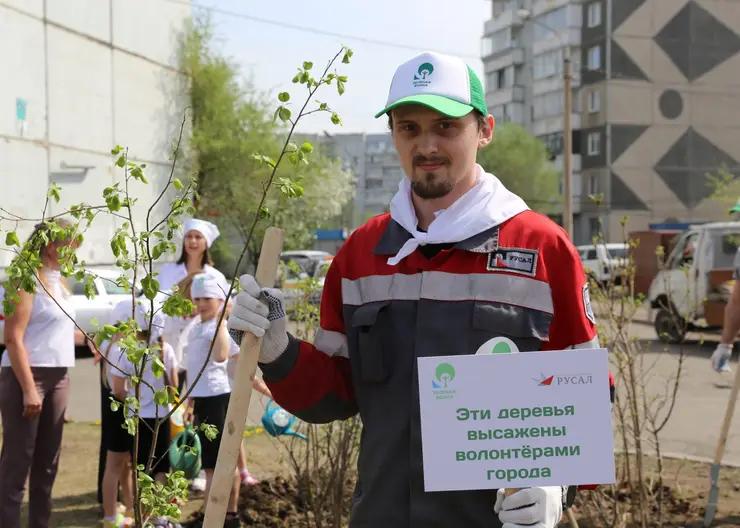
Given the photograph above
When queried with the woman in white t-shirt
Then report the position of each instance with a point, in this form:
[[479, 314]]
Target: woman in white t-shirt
[[195, 256], [40, 338]]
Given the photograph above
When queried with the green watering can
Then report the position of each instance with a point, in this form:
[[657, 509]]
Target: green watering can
[[181, 459]]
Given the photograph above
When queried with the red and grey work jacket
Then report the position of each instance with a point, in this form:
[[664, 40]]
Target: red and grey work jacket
[[522, 280]]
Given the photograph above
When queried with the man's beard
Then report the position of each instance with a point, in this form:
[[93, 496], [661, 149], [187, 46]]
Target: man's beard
[[429, 185]]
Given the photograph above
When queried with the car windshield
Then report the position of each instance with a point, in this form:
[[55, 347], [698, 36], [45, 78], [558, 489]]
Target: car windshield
[[617, 252], [111, 288], [323, 270]]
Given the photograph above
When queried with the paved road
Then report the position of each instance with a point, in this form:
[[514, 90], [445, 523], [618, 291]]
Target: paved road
[[693, 429]]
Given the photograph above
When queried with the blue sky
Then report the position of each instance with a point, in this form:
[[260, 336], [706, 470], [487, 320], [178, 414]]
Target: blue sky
[[269, 54]]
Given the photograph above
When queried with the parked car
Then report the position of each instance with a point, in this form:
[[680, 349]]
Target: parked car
[[107, 294], [312, 264], [604, 262]]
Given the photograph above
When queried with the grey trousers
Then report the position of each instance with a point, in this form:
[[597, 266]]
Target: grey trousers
[[31, 447]]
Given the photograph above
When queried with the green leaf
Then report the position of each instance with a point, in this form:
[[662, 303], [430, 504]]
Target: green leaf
[[307, 148], [283, 97], [284, 113], [53, 192], [158, 370], [161, 397], [307, 65], [347, 56], [340, 87], [150, 286], [178, 184], [11, 239], [121, 161], [336, 119]]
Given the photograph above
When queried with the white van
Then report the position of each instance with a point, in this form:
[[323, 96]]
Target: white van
[[603, 262], [691, 290]]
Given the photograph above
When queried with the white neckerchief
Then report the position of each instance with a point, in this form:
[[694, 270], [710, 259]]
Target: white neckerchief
[[486, 205]]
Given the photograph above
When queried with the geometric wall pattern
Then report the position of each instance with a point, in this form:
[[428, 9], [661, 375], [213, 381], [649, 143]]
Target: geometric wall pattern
[[673, 102]]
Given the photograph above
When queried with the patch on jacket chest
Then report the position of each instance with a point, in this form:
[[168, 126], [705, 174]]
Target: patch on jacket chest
[[513, 260]]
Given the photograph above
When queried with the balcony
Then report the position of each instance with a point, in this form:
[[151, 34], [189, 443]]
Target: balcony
[[512, 94], [548, 125]]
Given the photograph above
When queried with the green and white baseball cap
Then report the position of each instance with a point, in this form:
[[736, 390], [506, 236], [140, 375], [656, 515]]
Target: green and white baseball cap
[[441, 82]]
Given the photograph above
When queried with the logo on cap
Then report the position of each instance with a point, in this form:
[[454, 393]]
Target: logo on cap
[[421, 78]]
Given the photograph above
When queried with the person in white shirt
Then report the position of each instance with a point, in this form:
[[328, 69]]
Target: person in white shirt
[[176, 329], [195, 256], [150, 451], [118, 442], [40, 338], [209, 397]]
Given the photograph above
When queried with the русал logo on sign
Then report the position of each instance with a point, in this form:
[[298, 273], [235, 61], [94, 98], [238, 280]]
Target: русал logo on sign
[[563, 379]]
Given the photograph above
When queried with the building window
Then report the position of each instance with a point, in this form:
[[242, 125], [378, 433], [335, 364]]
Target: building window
[[593, 184], [594, 226], [496, 42], [548, 105], [594, 143], [594, 58], [594, 101], [554, 21], [594, 14], [548, 64]]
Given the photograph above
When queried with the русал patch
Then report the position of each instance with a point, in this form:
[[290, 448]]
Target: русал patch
[[513, 260], [587, 304]]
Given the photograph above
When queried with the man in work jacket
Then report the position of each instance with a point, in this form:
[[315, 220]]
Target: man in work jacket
[[457, 263]]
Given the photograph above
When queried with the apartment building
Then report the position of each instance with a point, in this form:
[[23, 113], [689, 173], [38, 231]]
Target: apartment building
[[79, 78], [656, 91], [374, 162]]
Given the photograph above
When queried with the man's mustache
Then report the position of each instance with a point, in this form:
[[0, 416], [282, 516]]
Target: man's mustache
[[418, 160]]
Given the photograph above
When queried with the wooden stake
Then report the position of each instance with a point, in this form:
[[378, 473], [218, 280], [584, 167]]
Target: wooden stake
[[241, 394]]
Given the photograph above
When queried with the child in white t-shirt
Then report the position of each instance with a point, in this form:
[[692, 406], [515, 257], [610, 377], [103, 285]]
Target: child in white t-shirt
[[150, 413], [209, 397]]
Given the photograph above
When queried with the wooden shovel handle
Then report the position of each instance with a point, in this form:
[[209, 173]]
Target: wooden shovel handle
[[241, 394]]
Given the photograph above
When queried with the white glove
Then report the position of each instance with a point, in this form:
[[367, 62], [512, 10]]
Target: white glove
[[530, 507], [267, 321], [721, 358]]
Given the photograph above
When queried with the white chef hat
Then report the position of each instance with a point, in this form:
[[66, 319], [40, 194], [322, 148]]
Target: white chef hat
[[207, 286], [142, 318], [207, 229], [122, 312]]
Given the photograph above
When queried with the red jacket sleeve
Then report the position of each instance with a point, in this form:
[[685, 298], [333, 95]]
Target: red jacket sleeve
[[313, 381], [573, 323]]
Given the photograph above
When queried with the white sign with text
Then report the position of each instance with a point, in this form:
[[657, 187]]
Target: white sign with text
[[516, 420]]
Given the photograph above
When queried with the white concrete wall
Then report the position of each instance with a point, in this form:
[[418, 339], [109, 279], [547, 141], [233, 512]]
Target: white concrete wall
[[94, 73]]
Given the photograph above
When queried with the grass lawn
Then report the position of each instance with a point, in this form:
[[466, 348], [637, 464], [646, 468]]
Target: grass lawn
[[75, 490]]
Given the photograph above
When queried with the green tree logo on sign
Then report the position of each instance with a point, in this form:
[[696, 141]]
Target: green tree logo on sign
[[445, 373]]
